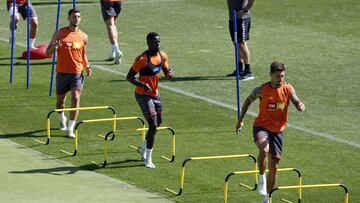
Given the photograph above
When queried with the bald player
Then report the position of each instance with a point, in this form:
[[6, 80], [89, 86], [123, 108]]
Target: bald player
[[148, 66]]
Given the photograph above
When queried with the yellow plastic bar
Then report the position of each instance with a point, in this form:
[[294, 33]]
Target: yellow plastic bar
[[182, 178], [81, 108], [219, 157], [226, 192], [287, 201], [109, 119], [257, 171], [48, 127], [308, 186]]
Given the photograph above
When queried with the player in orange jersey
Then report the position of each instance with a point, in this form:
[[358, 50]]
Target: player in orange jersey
[[21, 7], [148, 65], [269, 126], [70, 43], [110, 10]]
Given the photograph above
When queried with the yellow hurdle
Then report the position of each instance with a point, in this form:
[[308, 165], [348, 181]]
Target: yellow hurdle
[[48, 122], [346, 198], [182, 173], [111, 135], [76, 147], [227, 179]]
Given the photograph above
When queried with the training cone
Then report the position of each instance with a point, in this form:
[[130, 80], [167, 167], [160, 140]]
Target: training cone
[[38, 53]]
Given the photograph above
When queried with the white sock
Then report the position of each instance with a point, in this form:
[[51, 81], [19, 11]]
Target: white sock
[[262, 177], [148, 153], [62, 116], [115, 47], [71, 125], [32, 42]]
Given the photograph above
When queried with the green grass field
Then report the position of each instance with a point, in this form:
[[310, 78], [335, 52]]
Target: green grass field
[[317, 40]]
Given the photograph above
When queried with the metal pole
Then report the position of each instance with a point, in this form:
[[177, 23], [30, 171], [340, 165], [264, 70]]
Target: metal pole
[[54, 55], [236, 63], [12, 42], [74, 3], [28, 47]]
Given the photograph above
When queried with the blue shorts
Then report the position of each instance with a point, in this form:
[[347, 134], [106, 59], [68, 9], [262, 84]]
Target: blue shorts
[[68, 81], [275, 140], [150, 106]]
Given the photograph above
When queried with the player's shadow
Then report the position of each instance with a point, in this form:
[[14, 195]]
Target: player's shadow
[[24, 134], [128, 163], [62, 170]]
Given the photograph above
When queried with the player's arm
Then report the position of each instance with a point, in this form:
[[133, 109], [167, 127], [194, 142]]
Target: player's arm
[[246, 9], [250, 99], [54, 43], [166, 68], [296, 101], [131, 77], [85, 60]]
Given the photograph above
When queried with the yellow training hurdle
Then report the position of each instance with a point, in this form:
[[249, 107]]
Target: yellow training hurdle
[[76, 139], [226, 187], [346, 198], [48, 122], [111, 135], [182, 173]]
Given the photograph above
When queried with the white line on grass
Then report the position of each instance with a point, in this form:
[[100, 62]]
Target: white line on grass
[[228, 106]]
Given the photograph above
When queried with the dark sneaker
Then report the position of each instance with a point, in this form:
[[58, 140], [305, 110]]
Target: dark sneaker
[[247, 76], [233, 74]]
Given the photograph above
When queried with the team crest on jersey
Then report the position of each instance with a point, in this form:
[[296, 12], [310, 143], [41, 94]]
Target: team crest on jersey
[[76, 45], [273, 106]]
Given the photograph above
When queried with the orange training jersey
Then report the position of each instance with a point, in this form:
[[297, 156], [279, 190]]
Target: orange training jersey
[[274, 103], [149, 68], [71, 52]]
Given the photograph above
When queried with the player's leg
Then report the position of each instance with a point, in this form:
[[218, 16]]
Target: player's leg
[[261, 138], [110, 12], [34, 23], [62, 87], [76, 88], [16, 18], [147, 107], [240, 57], [244, 30]]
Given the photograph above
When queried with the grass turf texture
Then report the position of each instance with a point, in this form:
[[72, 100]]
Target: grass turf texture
[[316, 40]]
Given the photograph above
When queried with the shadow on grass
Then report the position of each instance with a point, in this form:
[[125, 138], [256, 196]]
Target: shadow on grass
[[63, 170], [24, 134], [128, 163]]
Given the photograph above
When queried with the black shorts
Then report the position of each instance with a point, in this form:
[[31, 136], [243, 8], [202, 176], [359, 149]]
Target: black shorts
[[110, 9], [22, 9], [150, 106], [275, 140], [243, 29], [68, 81]]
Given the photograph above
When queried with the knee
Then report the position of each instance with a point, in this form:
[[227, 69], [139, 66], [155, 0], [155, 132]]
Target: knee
[[34, 22], [152, 121]]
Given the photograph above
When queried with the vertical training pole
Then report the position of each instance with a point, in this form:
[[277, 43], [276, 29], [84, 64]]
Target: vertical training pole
[[236, 63], [74, 3], [54, 55], [28, 47], [12, 41]]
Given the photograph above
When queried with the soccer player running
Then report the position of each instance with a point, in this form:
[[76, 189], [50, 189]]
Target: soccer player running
[[110, 10], [22, 8], [148, 65], [243, 20], [70, 43], [269, 126]]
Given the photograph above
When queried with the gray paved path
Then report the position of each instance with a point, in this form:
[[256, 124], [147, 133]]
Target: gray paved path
[[29, 176]]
